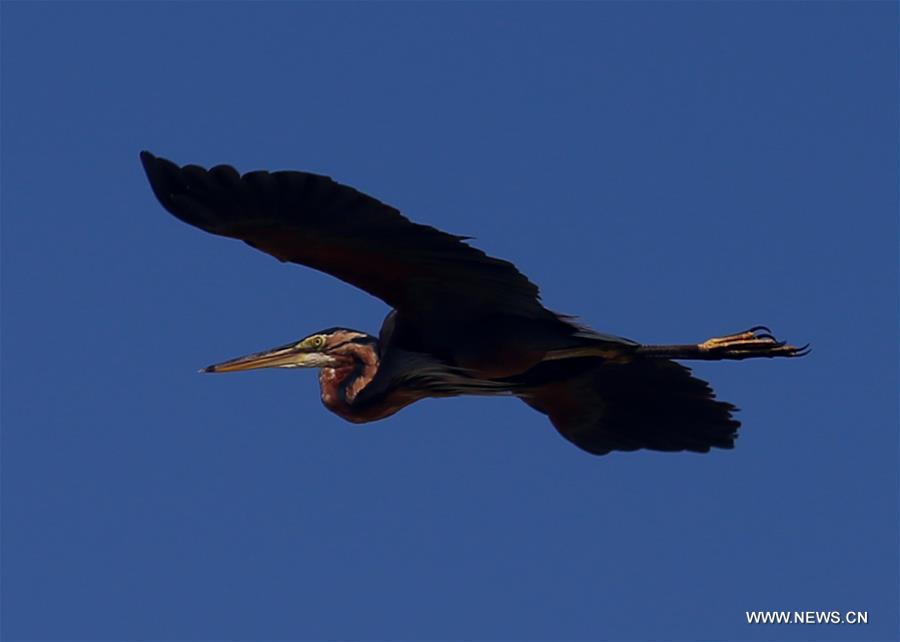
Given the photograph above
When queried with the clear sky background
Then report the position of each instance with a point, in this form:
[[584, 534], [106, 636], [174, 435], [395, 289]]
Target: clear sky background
[[668, 172]]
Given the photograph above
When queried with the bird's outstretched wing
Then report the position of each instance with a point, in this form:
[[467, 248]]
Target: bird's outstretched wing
[[602, 406], [312, 220]]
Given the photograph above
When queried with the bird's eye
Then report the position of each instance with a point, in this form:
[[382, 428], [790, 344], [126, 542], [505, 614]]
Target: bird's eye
[[317, 342]]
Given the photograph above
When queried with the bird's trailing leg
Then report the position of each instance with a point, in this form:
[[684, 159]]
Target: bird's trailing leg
[[753, 343]]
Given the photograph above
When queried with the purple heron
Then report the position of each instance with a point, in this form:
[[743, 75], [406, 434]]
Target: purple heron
[[462, 323]]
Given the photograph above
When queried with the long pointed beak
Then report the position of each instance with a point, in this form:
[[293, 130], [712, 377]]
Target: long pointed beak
[[289, 356]]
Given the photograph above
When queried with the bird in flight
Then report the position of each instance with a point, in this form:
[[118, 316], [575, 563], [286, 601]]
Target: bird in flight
[[462, 323]]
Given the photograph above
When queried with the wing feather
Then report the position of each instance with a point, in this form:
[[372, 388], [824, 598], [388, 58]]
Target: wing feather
[[312, 220], [602, 406]]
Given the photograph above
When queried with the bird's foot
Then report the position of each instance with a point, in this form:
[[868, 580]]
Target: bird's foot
[[755, 342]]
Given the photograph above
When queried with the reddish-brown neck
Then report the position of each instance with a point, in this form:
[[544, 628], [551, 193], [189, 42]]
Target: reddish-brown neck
[[341, 384]]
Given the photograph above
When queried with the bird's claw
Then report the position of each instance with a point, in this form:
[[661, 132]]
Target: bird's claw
[[758, 341]]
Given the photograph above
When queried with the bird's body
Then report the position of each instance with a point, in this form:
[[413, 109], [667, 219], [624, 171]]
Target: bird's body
[[462, 322]]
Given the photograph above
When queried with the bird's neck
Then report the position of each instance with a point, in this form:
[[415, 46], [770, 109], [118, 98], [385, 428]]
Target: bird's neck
[[341, 384]]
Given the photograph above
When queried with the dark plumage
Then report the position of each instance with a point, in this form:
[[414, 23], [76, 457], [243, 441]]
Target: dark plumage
[[463, 322]]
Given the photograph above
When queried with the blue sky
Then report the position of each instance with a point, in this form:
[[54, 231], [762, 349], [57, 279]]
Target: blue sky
[[666, 171]]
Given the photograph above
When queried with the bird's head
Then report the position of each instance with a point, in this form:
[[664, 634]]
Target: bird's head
[[332, 348]]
